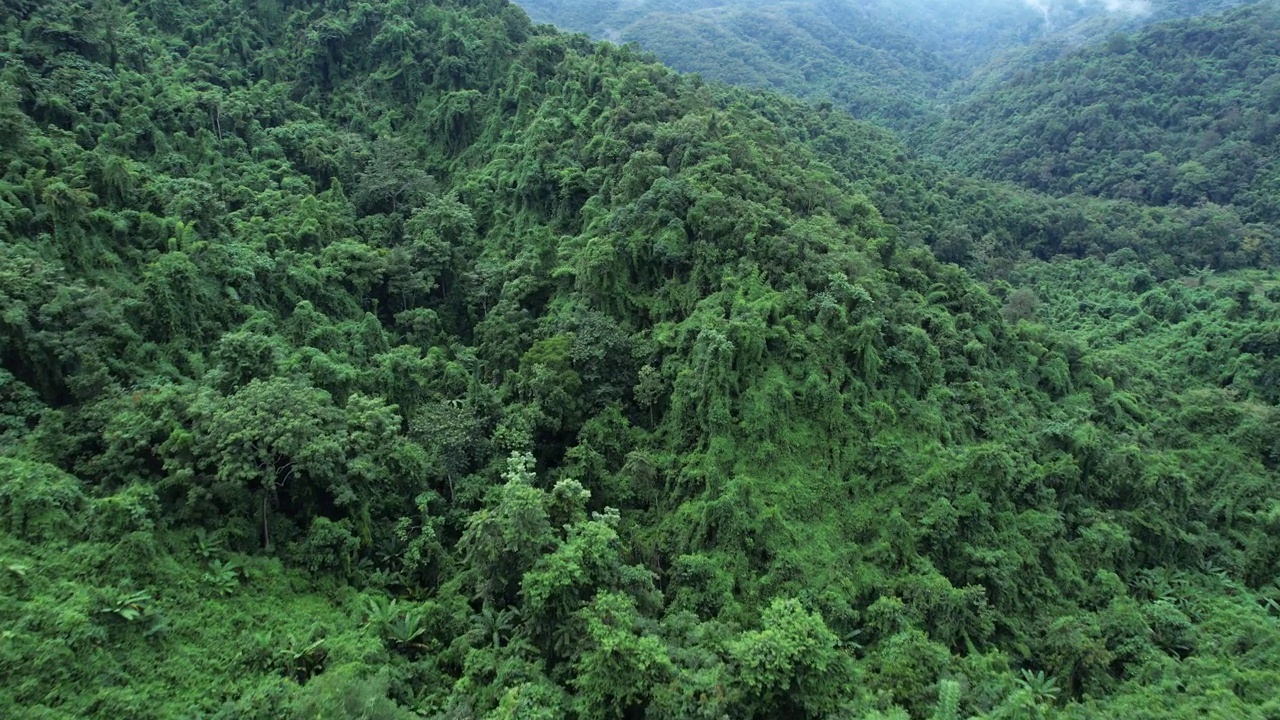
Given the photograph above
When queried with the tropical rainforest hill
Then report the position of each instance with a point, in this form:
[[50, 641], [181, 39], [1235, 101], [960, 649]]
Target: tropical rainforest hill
[[860, 57], [399, 360], [1161, 104], [1181, 113], [897, 63]]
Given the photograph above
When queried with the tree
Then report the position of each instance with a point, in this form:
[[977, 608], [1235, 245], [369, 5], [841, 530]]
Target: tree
[[39, 502], [392, 179], [792, 666], [619, 667], [504, 540], [588, 561], [650, 388], [1021, 305], [279, 437]]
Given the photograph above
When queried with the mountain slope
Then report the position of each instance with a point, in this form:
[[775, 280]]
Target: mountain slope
[[361, 361], [1180, 113], [854, 55], [888, 62]]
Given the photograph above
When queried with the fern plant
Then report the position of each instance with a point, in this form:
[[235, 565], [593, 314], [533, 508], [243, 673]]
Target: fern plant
[[492, 627], [406, 629], [379, 612], [302, 659]]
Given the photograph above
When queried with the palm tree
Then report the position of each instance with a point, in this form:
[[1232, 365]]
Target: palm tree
[[492, 626], [379, 612], [406, 629], [1044, 690]]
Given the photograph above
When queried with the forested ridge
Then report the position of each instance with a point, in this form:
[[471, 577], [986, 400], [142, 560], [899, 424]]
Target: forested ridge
[[857, 56], [392, 360], [1181, 113], [1164, 103], [899, 63]]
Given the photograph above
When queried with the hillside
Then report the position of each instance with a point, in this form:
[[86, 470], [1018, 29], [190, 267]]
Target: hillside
[[1181, 113], [411, 360], [859, 57], [895, 63], [833, 51]]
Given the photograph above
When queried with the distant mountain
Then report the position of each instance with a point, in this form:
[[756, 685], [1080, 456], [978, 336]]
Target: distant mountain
[[858, 56], [882, 60], [831, 49], [1182, 112]]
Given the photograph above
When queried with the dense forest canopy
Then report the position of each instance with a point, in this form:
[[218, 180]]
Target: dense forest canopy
[[896, 62], [1181, 113], [391, 360], [1155, 103], [1164, 103]]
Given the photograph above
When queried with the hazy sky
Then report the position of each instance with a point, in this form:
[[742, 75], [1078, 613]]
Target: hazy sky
[[1130, 7]]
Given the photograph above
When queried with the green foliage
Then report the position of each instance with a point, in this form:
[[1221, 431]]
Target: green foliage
[[792, 666], [620, 667], [39, 502], [1180, 113], [948, 701], [886, 61], [129, 606], [388, 359], [223, 577], [347, 694], [861, 58]]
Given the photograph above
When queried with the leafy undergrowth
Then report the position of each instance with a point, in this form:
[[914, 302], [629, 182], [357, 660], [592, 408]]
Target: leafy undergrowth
[[143, 624]]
